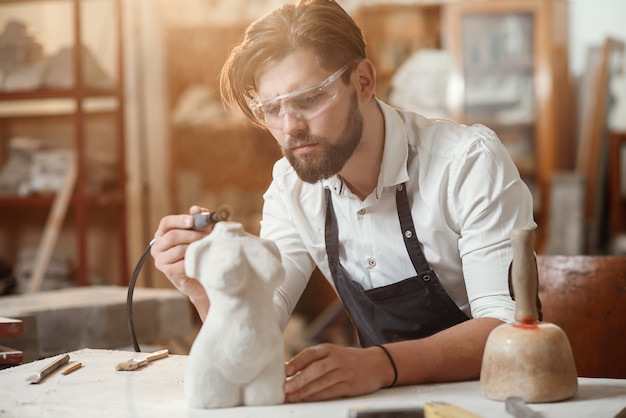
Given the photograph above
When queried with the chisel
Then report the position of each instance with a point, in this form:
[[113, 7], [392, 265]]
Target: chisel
[[36, 378]]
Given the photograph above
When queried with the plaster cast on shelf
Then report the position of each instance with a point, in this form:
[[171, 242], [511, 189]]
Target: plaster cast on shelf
[[15, 174], [237, 357], [59, 72], [198, 105], [18, 46], [422, 83], [24, 65]]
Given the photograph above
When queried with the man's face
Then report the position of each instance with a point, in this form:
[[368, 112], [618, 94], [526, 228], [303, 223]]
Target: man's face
[[317, 144]]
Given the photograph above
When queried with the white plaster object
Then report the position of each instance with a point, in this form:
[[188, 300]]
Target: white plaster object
[[198, 105], [237, 357], [421, 84]]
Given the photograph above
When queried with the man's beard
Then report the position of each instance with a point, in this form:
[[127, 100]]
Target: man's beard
[[313, 167]]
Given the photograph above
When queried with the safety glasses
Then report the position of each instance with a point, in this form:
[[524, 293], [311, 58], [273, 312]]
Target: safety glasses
[[302, 104]]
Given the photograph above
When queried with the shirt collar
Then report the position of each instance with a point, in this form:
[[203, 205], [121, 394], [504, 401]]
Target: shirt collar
[[394, 169]]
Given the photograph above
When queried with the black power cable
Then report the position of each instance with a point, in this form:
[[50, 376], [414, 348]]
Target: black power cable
[[129, 296]]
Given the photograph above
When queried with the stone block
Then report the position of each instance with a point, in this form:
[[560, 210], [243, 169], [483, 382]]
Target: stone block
[[95, 317]]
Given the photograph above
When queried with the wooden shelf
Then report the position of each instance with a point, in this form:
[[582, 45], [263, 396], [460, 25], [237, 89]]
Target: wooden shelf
[[56, 107], [57, 93], [65, 118], [97, 199]]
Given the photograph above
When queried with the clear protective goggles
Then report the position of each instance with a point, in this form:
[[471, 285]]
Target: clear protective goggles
[[303, 104]]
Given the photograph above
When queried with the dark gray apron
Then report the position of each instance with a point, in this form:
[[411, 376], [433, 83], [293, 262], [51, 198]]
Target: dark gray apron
[[412, 308]]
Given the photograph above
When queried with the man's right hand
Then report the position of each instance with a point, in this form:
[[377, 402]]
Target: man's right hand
[[172, 238]]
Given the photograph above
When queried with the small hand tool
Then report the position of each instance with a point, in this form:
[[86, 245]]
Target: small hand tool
[[72, 368], [410, 412], [203, 220], [134, 364], [446, 410], [36, 378]]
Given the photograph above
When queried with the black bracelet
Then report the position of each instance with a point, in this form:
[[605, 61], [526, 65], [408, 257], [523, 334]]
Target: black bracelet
[[393, 364]]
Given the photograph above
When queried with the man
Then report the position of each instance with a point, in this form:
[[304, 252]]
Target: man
[[408, 218]]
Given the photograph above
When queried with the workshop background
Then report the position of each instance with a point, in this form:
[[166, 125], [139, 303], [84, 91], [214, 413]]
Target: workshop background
[[98, 142]]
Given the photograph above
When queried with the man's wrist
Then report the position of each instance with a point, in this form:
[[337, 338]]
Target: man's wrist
[[393, 365], [196, 293], [201, 304]]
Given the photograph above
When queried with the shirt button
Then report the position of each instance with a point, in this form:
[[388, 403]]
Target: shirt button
[[371, 262], [361, 211]]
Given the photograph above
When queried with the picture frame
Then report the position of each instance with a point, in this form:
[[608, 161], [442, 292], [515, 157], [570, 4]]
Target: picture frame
[[593, 141]]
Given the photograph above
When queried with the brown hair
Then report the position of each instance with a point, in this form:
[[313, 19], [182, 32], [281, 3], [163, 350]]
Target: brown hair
[[321, 25]]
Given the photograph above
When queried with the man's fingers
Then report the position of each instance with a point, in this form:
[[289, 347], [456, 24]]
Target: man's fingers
[[181, 221], [339, 390], [173, 222], [176, 238], [314, 383], [307, 356], [197, 209], [168, 252]]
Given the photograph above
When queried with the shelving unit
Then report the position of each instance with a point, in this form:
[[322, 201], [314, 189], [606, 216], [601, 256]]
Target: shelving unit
[[395, 31], [90, 121], [512, 63]]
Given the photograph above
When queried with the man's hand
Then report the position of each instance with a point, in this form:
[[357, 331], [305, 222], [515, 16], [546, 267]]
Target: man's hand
[[328, 371], [172, 238]]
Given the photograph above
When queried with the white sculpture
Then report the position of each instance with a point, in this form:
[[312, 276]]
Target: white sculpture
[[422, 83], [237, 357]]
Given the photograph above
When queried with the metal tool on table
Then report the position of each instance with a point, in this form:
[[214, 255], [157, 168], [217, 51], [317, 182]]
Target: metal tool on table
[[54, 365], [435, 409], [134, 364], [515, 406]]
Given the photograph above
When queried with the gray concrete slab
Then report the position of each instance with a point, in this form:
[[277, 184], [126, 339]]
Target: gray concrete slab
[[95, 317]]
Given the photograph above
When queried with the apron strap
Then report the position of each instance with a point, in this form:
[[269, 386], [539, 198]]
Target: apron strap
[[332, 230], [408, 230]]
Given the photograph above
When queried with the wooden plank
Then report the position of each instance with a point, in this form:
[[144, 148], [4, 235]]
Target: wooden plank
[[593, 142], [53, 226]]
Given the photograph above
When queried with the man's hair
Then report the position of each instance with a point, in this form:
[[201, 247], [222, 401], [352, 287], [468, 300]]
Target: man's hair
[[321, 26]]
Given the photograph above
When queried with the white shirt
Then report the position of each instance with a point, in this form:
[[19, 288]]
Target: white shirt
[[465, 194]]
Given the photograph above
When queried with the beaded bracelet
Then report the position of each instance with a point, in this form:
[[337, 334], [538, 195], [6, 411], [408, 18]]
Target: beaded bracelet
[[393, 364]]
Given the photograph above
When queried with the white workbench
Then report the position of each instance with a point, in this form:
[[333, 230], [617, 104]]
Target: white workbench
[[98, 390]]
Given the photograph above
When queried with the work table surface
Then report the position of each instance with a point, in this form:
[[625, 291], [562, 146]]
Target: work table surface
[[157, 390]]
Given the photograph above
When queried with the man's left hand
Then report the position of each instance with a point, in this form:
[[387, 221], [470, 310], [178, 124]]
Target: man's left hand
[[329, 371]]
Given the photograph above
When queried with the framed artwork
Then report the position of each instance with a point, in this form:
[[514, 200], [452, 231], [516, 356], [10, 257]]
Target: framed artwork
[[592, 156]]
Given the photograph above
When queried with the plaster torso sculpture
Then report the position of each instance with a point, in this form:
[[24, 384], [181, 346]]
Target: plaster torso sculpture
[[237, 357]]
